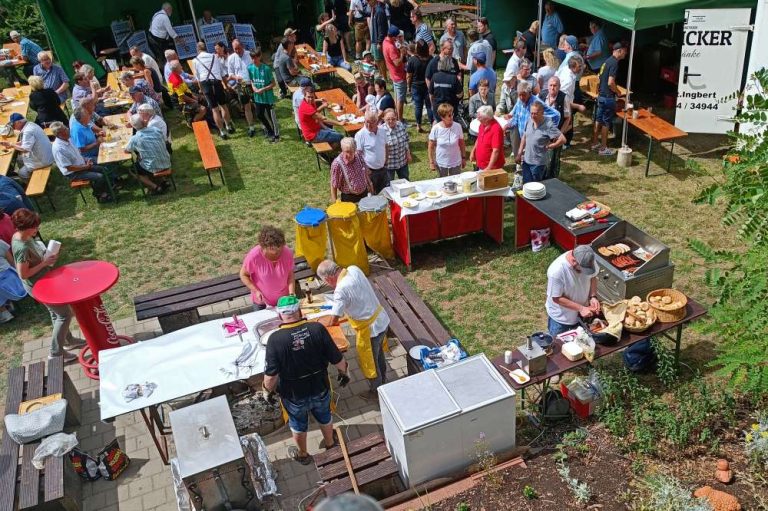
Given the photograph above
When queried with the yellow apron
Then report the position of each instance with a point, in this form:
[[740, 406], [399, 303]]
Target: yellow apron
[[362, 328], [333, 401]]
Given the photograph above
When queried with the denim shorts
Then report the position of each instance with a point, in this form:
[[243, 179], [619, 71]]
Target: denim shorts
[[298, 411], [606, 111], [401, 90]]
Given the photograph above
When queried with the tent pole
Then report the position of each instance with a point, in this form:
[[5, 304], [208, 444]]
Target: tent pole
[[538, 37], [194, 20], [629, 88]]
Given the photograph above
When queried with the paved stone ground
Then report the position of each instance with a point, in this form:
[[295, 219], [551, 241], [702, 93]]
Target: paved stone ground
[[146, 485]]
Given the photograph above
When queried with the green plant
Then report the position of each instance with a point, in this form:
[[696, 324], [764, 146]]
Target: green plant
[[23, 16], [462, 506], [666, 365], [580, 489], [486, 460], [665, 493], [530, 493], [756, 442]]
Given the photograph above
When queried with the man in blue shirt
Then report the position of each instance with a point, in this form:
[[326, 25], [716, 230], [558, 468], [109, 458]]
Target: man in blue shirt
[[482, 73], [551, 26], [53, 75], [522, 112], [597, 53], [149, 144], [82, 135], [28, 50]]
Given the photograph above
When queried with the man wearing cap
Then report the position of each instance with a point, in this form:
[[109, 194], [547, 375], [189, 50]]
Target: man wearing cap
[[606, 100], [482, 73], [28, 49], [353, 297], [571, 289], [298, 354], [571, 48], [33, 146], [139, 98], [394, 56]]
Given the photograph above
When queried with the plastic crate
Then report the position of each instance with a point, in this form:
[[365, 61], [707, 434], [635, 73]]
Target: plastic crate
[[426, 363]]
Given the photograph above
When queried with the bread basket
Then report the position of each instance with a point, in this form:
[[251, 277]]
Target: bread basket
[[668, 313], [638, 329]]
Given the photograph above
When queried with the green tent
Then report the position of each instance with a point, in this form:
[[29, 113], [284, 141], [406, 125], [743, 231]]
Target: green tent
[[641, 14]]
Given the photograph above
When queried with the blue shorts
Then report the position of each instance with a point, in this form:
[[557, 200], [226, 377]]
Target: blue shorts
[[606, 111], [401, 90], [298, 411], [327, 135]]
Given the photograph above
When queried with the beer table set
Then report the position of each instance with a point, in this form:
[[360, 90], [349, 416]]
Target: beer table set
[[112, 150], [345, 107], [17, 101], [308, 57]]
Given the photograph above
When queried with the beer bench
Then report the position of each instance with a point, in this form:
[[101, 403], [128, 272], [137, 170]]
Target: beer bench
[[176, 308], [22, 486], [410, 320]]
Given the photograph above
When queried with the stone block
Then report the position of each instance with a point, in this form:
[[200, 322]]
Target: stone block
[[155, 498]]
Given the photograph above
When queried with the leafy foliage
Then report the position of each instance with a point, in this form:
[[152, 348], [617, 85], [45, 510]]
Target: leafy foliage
[[667, 494], [756, 442], [24, 17], [740, 281], [573, 440]]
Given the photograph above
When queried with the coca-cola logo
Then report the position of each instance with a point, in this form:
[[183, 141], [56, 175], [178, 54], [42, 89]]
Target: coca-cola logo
[[103, 318]]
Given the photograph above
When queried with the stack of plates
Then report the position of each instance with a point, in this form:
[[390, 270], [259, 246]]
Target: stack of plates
[[534, 191]]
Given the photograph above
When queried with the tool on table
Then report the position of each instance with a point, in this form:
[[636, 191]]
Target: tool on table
[[581, 223]]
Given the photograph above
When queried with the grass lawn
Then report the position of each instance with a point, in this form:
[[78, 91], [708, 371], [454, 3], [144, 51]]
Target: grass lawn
[[489, 296]]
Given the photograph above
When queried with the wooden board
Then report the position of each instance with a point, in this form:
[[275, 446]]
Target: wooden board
[[9, 450], [38, 181], [654, 126], [19, 105], [348, 106], [205, 145]]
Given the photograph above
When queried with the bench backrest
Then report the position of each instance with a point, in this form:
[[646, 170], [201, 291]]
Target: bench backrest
[[206, 146]]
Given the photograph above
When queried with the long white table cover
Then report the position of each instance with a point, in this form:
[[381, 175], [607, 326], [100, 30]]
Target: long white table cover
[[444, 200]]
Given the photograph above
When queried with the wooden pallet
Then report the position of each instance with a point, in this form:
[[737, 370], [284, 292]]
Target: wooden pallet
[[370, 460]]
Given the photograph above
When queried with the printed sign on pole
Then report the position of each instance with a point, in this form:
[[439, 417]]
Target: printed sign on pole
[[226, 18], [244, 34], [139, 38], [186, 43], [121, 29], [212, 34], [711, 68]]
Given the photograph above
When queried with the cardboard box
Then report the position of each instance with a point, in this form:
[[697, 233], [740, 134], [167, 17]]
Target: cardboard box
[[492, 179], [402, 187]]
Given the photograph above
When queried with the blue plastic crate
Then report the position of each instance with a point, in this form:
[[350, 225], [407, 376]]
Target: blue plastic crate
[[426, 363]]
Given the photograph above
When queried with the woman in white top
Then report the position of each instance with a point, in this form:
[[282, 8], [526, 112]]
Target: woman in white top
[[447, 154], [548, 71]]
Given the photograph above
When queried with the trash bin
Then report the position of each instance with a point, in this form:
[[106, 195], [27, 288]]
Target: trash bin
[[311, 235], [346, 237], [373, 222]]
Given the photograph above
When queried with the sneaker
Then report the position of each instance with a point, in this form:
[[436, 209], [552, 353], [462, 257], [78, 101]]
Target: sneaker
[[595, 147], [231, 129], [272, 140], [606, 151], [67, 356], [5, 316], [224, 136], [251, 131]]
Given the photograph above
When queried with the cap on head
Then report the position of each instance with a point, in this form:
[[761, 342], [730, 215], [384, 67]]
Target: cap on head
[[572, 41], [288, 305], [14, 34], [134, 89], [479, 57], [305, 82], [618, 46], [366, 53], [393, 31], [288, 31], [585, 256], [15, 117]]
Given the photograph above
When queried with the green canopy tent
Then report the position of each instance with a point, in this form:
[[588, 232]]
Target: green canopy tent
[[637, 15]]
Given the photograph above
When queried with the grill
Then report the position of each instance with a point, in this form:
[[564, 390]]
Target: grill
[[642, 269]]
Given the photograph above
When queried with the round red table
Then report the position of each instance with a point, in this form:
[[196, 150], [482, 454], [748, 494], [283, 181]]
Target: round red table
[[80, 286]]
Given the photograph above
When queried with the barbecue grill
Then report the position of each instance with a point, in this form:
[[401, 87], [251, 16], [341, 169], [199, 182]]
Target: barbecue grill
[[644, 268]]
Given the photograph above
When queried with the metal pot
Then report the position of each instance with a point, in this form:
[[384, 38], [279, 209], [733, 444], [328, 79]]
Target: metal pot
[[450, 187], [544, 340]]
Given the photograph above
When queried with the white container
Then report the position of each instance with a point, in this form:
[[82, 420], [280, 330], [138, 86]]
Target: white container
[[53, 247], [572, 351], [433, 419], [468, 182], [402, 187]]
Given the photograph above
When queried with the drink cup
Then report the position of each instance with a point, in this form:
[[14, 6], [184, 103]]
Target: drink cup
[[53, 247], [507, 357], [635, 114]]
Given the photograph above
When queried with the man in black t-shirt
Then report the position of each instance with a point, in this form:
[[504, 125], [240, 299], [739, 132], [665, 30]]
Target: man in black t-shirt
[[446, 50], [444, 87], [297, 361], [484, 29], [606, 99]]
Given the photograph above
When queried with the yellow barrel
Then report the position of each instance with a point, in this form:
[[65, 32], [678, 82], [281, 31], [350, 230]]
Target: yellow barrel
[[374, 224], [346, 238], [311, 235]]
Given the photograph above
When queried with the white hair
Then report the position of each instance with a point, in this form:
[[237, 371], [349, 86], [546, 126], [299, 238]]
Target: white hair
[[146, 107], [348, 143], [169, 53], [524, 86], [56, 127], [44, 55], [327, 269], [486, 111], [137, 122]]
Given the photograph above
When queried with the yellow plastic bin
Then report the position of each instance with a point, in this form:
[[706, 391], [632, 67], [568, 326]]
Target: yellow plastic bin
[[311, 235], [346, 237], [373, 222]]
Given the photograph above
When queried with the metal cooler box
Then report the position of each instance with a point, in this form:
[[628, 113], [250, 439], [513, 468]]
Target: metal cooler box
[[211, 460], [649, 271]]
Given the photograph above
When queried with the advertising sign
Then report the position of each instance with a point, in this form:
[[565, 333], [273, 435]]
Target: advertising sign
[[121, 29], [139, 38], [186, 44], [244, 33], [711, 68], [212, 34], [226, 18]]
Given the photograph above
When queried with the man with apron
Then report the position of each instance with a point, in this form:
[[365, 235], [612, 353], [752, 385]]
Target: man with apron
[[297, 359], [354, 298]]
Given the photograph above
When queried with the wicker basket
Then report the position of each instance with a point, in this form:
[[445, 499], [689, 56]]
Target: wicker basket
[[668, 315], [636, 329]]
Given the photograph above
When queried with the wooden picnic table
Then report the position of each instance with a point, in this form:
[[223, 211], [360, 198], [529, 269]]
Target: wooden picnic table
[[439, 11], [119, 137], [15, 54], [348, 106], [655, 128], [307, 56], [20, 104]]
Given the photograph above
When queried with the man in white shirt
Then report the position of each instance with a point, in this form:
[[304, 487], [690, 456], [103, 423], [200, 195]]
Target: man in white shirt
[[207, 19], [240, 80], [372, 142], [33, 146], [569, 78], [353, 297], [513, 66], [477, 45], [210, 72], [161, 33], [571, 289], [73, 166]]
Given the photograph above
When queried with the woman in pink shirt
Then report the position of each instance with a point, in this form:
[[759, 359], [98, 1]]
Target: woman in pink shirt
[[268, 269]]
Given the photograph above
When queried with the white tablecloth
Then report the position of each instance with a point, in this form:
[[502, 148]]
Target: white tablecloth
[[179, 363], [444, 200]]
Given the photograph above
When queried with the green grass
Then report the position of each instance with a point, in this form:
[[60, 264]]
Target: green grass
[[489, 296]]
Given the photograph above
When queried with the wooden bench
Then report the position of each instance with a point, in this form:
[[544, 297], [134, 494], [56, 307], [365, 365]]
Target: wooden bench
[[410, 320], [163, 173], [207, 150], [22, 486], [79, 184], [345, 75], [590, 87], [371, 463], [320, 149], [38, 182], [176, 308]]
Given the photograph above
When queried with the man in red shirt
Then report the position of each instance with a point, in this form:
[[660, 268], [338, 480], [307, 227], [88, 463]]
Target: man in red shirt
[[488, 152], [315, 127], [394, 56]]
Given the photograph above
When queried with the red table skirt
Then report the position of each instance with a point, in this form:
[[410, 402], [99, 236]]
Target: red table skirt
[[529, 218], [478, 214]]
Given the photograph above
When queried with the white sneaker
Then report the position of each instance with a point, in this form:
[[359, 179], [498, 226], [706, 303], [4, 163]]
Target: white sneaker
[[5, 316], [596, 147], [68, 357], [607, 151]]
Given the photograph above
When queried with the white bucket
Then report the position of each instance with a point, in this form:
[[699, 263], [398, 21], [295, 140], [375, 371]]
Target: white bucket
[[624, 157]]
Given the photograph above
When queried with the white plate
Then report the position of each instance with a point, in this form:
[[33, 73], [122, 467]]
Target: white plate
[[410, 204], [432, 194], [415, 352], [417, 196]]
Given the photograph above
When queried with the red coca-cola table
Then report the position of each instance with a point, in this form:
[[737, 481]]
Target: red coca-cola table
[[80, 285]]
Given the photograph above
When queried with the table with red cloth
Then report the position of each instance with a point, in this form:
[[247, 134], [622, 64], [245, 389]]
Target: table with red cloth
[[445, 217], [80, 285], [549, 212]]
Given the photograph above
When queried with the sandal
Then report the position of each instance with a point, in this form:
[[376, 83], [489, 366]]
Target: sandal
[[335, 442], [293, 452]]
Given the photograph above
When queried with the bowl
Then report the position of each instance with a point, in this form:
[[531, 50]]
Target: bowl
[[544, 340]]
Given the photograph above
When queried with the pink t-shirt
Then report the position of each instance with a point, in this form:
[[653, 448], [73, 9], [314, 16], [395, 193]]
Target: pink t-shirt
[[271, 278]]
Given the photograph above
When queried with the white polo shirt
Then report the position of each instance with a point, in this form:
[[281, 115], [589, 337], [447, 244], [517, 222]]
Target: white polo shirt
[[355, 297], [563, 281], [39, 153], [373, 146], [66, 155], [161, 26], [238, 66]]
